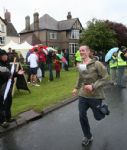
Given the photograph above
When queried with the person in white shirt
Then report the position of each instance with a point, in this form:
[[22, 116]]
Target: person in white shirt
[[33, 60]]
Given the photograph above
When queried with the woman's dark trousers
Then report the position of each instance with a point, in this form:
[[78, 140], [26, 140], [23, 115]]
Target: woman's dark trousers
[[84, 105]]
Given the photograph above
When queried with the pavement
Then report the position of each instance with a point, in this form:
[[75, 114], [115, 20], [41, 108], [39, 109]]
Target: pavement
[[32, 115]]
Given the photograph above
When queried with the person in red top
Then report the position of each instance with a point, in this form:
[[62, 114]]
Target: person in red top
[[57, 65], [42, 61]]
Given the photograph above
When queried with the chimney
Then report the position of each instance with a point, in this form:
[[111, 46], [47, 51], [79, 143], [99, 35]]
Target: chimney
[[27, 19], [7, 16], [69, 16], [36, 21]]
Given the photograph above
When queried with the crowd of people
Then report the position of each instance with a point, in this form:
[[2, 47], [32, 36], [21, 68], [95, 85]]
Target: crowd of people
[[93, 76], [35, 59], [5, 77], [39, 59]]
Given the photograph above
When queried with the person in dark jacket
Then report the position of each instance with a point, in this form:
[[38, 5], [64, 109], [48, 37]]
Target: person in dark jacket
[[49, 61], [124, 53], [121, 66], [5, 74]]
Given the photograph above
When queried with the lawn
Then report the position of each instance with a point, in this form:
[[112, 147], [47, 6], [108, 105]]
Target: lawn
[[49, 93]]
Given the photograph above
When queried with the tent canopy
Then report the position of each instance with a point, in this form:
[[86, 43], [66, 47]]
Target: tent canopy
[[12, 45], [25, 45], [22, 48]]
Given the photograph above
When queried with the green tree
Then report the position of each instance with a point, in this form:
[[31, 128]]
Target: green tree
[[98, 36]]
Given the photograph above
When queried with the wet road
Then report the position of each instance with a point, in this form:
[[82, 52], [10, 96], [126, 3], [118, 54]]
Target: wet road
[[60, 130]]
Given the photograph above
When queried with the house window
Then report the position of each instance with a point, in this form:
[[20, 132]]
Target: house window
[[2, 28], [53, 35], [2, 40], [74, 34], [73, 47]]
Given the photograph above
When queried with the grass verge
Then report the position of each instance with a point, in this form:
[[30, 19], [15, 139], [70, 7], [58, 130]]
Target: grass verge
[[49, 93]]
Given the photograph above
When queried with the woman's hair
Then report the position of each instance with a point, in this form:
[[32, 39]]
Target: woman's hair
[[85, 47]]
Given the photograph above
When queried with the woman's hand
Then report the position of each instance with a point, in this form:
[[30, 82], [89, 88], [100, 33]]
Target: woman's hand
[[74, 92], [21, 72], [88, 88]]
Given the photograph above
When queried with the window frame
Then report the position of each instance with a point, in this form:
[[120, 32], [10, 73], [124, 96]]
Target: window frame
[[2, 40], [73, 47], [2, 28], [74, 34], [53, 35]]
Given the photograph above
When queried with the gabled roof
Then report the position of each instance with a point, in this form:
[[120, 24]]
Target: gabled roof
[[11, 31], [66, 24], [3, 20], [47, 22]]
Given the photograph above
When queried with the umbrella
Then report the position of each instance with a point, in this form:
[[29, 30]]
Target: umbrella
[[59, 56], [41, 48], [51, 49], [63, 59], [8, 86], [110, 53], [45, 51]]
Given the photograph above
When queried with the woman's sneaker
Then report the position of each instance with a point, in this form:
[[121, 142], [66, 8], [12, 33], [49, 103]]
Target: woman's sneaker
[[86, 141], [104, 109]]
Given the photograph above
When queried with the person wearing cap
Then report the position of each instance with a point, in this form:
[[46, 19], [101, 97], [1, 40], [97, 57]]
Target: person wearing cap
[[121, 65], [5, 74]]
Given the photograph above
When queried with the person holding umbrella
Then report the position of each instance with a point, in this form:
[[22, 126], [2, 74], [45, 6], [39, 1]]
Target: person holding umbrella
[[113, 68], [6, 102], [109, 58], [57, 66]]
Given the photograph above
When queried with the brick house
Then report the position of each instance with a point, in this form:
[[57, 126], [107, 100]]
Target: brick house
[[47, 31]]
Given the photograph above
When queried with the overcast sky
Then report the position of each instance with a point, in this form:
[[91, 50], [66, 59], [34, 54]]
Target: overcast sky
[[85, 10]]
